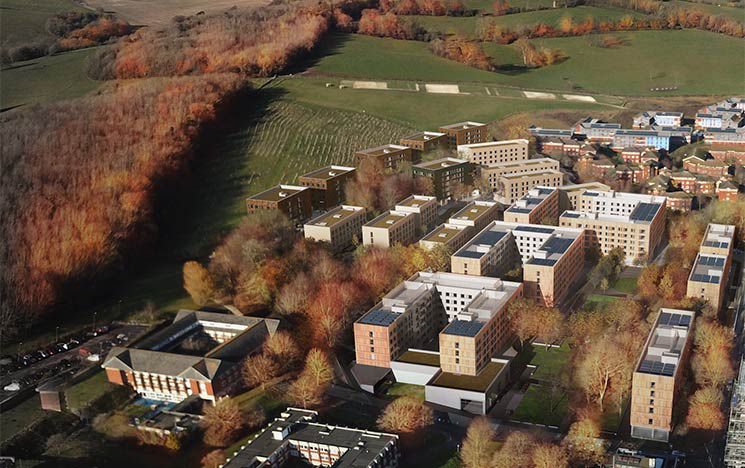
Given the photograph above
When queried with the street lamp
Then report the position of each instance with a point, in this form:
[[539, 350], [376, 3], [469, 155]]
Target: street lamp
[[56, 334], [94, 320]]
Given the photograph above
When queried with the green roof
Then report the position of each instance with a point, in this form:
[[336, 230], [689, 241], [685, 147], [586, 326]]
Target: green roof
[[386, 220], [476, 383], [333, 217], [416, 357]]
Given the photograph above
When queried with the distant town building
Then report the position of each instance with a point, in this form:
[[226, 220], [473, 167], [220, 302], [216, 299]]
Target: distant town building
[[729, 156], [200, 353], [552, 257], [651, 138], [729, 136], [294, 201], [327, 185], [651, 118], [710, 167], [727, 190], [659, 373], [539, 206], [679, 201], [339, 227], [423, 142], [465, 133], [550, 132], [389, 156], [595, 130], [296, 437], [494, 152], [634, 222], [710, 273], [447, 175]]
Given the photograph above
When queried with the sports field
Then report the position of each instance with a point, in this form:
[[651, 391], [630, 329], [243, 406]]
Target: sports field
[[649, 59]]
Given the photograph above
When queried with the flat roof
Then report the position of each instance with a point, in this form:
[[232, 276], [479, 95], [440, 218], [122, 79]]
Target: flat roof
[[335, 216], [719, 236], [516, 175], [708, 268], [531, 200], [278, 192], [418, 357], [469, 328], [473, 211], [666, 342], [328, 172], [445, 233], [475, 383], [388, 219], [495, 143], [423, 136], [441, 163], [525, 162], [481, 243], [415, 201], [382, 150], [463, 125], [379, 317]]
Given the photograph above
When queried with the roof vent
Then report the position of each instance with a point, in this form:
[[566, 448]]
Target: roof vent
[[282, 194], [386, 151], [337, 216], [390, 221], [332, 174]]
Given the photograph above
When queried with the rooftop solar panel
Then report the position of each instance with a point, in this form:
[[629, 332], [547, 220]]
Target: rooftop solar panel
[[542, 261], [489, 237], [470, 254], [463, 328], [534, 229], [557, 244], [519, 210], [657, 368], [645, 212], [711, 261], [379, 317], [571, 215]]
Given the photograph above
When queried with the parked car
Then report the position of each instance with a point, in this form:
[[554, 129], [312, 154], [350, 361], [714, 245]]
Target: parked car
[[12, 387]]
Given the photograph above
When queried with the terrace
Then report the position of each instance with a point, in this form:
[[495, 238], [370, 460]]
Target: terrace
[[420, 358], [445, 233], [442, 163], [473, 211]]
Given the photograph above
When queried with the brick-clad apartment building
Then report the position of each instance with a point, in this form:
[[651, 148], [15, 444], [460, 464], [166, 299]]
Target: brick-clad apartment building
[[389, 156], [464, 133], [327, 185], [198, 354], [296, 202], [423, 142], [539, 206], [659, 373], [296, 437], [447, 175]]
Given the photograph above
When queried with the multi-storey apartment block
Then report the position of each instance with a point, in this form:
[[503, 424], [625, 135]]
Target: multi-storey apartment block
[[552, 257], [464, 373], [569, 194], [339, 227], [659, 373], [389, 156], [476, 214], [452, 236], [465, 133], [423, 205], [729, 136], [734, 450], [539, 206], [200, 353], [294, 201], [634, 222], [652, 138], [664, 119], [392, 227], [296, 437], [710, 274], [513, 186], [327, 185], [447, 174], [423, 142], [595, 130], [710, 167], [494, 152]]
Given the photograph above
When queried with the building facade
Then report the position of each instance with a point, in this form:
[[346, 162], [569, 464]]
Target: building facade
[[465, 133], [514, 186], [388, 156], [295, 202], [327, 185], [447, 175], [659, 373], [424, 142], [392, 227], [710, 273], [338, 227], [734, 450], [539, 206], [495, 152]]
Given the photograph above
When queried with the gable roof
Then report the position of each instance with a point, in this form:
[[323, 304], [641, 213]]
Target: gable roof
[[156, 362]]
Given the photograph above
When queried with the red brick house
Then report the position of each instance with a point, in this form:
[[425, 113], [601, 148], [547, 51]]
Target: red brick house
[[728, 156], [684, 180], [679, 201], [709, 167], [727, 190]]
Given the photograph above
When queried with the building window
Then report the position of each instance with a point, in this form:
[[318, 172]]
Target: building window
[[650, 421], [651, 384], [651, 410], [651, 393]]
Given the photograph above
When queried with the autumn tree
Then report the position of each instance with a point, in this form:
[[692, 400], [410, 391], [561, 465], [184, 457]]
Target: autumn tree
[[294, 296], [705, 410], [532, 320], [222, 422], [583, 440], [213, 459], [478, 445], [318, 366], [605, 366], [283, 350], [501, 7], [405, 415], [258, 369], [305, 392], [547, 455], [198, 283], [516, 451]]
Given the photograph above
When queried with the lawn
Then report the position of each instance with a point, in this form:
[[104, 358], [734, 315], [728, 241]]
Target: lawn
[[538, 407], [598, 300], [25, 21], [649, 59], [708, 8], [549, 362], [46, 79], [625, 285], [468, 26], [400, 389], [80, 395], [21, 417]]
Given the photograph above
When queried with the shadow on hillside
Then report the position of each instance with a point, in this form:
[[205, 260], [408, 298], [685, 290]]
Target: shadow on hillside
[[330, 45], [511, 69]]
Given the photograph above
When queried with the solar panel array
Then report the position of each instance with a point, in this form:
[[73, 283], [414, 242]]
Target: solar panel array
[[542, 261], [534, 229], [571, 215], [711, 261], [545, 191], [666, 318], [557, 244], [463, 328], [717, 245], [515, 209], [657, 368], [379, 317], [645, 212], [706, 278]]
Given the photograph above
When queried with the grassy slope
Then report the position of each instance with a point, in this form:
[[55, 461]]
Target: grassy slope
[[24, 21], [468, 25], [650, 59], [46, 79], [730, 12]]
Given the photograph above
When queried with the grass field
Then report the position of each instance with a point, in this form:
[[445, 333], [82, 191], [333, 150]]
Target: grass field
[[467, 26], [723, 10], [650, 59], [21, 417], [24, 21], [486, 6], [625, 285], [537, 408], [46, 79], [549, 362], [83, 393], [400, 389], [598, 300]]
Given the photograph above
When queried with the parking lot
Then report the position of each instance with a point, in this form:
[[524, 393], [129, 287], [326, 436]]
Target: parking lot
[[20, 372]]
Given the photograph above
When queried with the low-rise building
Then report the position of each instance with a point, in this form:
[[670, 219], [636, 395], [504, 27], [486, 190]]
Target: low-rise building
[[683, 180], [540, 132], [729, 156], [494, 152], [664, 119], [447, 175], [595, 130], [423, 142], [200, 353], [652, 138], [726, 137], [710, 273], [296, 436], [423, 205], [452, 236], [476, 214], [327, 185], [391, 228], [710, 167], [659, 373], [295, 202], [539, 206], [727, 190], [569, 194], [552, 257], [634, 222], [465, 133], [492, 173], [389, 156], [679, 201], [339, 227]]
